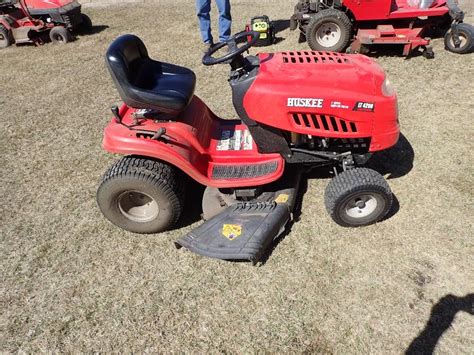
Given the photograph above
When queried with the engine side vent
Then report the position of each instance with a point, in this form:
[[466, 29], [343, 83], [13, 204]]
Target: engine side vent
[[315, 57], [324, 123]]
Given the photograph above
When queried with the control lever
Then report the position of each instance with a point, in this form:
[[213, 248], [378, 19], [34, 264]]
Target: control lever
[[159, 133], [115, 111]]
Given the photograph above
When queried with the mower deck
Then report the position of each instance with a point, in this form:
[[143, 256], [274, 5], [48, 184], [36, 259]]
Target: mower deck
[[387, 34]]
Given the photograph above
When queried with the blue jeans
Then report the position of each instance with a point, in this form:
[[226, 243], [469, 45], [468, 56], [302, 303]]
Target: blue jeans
[[203, 9]]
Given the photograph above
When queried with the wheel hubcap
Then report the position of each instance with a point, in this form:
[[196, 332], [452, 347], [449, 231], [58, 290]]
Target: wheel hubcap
[[328, 34], [361, 206], [138, 206], [463, 39]]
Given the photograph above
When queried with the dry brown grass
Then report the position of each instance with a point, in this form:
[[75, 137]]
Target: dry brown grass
[[72, 281]]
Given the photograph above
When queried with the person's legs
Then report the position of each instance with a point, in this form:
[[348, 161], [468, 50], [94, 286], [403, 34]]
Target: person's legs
[[203, 9], [225, 19]]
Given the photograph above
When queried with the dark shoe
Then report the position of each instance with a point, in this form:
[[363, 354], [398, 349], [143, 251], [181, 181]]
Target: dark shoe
[[206, 47]]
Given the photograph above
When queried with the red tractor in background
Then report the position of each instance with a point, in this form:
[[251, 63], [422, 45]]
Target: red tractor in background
[[30, 21], [356, 25]]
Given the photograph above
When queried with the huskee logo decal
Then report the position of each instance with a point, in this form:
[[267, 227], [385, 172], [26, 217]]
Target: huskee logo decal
[[302, 102]]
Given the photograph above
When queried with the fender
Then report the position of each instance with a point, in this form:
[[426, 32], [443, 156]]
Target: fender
[[191, 144]]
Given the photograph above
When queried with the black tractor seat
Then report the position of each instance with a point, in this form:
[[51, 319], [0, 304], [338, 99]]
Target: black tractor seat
[[146, 83]]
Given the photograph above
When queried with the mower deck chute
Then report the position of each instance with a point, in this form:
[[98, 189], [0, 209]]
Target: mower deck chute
[[245, 230]]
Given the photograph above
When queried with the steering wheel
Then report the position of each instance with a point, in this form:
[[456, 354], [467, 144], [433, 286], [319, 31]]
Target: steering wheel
[[234, 50]]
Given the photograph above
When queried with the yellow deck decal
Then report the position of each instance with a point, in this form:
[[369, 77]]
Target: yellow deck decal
[[282, 198], [231, 231]]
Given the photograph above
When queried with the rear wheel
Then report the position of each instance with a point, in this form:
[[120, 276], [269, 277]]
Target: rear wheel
[[60, 35], [329, 30], [358, 197], [6, 38], [466, 35], [141, 195]]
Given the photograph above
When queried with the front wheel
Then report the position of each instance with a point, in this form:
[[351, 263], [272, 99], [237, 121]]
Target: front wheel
[[358, 197], [141, 195], [60, 35], [329, 30], [466, 35]]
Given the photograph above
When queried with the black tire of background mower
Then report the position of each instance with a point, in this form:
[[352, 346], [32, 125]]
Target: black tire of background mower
[[353, 181], [86, 25], [60, 32], [7, 35], [158, 180], [324, 16], [464, 29]]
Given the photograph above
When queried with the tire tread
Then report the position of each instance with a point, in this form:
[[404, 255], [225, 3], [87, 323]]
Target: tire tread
[[163, 176], [350, 181]]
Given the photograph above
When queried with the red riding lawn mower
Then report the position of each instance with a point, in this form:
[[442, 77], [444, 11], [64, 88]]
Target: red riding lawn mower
[[332, 25], [30, 21], [298, 111]]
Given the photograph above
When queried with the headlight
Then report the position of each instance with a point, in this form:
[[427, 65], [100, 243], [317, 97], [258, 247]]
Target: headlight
[[387, 88]]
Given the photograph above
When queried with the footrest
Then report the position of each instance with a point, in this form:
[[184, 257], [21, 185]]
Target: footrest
[[241, 232]]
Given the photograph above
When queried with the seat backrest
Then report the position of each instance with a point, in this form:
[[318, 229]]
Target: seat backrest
[[121, 57], [145, 83]]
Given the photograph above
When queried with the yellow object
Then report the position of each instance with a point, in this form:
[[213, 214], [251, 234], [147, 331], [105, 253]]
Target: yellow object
[[282, 198], [231, 231], [260, 26]]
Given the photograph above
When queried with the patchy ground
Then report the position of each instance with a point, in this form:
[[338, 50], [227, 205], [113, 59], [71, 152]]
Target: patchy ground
[[72, 281]]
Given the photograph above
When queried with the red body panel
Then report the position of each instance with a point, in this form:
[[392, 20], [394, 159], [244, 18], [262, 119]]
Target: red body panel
[[46, 4], [193, 146], [347, 99], [370, 10], [332, 79]]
